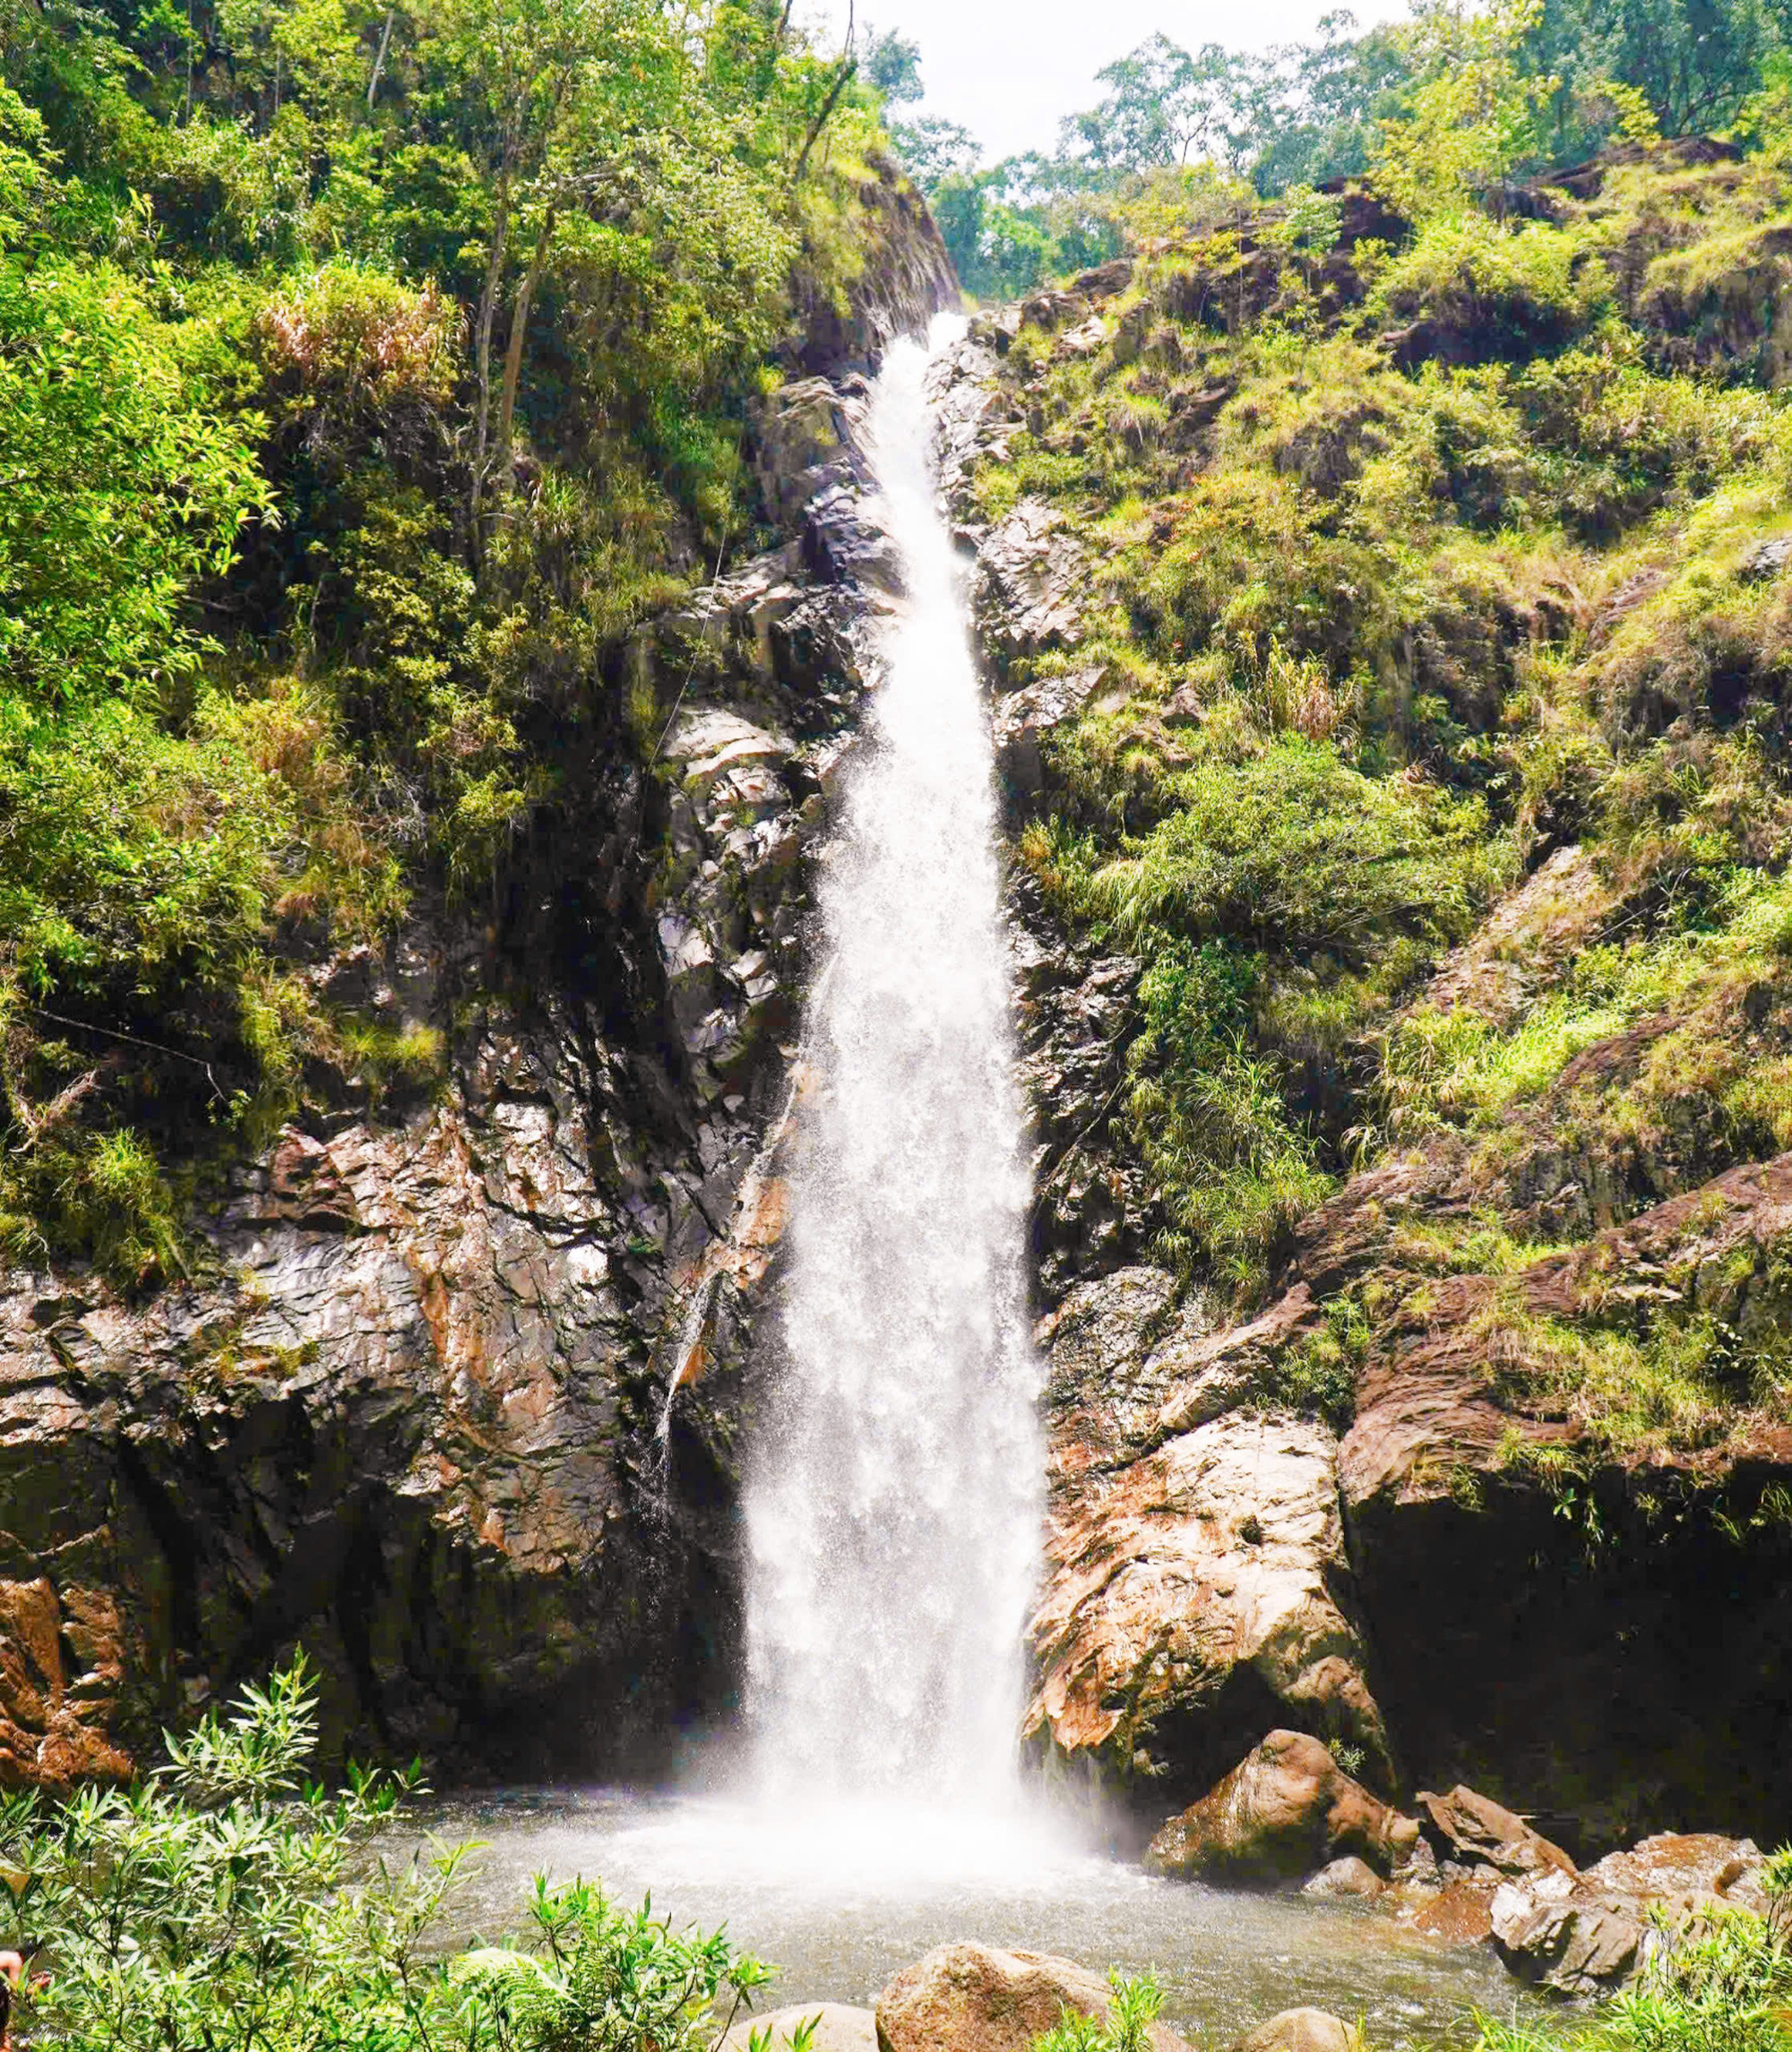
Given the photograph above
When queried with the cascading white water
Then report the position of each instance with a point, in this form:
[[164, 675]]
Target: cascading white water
[[894, 1506]]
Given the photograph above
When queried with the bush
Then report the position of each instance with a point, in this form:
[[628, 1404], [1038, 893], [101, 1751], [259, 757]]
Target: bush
[[1495, 289], [121, 492], [224, 1901], [1127, 2028]]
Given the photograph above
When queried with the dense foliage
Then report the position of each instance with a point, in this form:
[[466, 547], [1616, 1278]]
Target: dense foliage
[[1208, 131], [1442, 530], [366, 372], [223, 1902]]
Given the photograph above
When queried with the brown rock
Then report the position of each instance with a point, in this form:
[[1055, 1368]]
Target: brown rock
[[1477, 1831], [1197, 1582], [1281, 1811], [1684, 1867], [838, 2027], [1298, 2030], [973, 1998], [1345, 1876]]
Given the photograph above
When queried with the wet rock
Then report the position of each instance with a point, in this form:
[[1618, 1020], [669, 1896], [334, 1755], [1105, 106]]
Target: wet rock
[[1298, 2030], [1031, 577], [1345, 1876], [61, 1665], [1280, 1811], [837, 2028], [1196, 1583], [1477, 1832], [974, 1998], [808, 438]]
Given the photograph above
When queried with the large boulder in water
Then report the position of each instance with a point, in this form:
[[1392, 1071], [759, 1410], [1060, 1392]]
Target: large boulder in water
[[1286, 1809], [973, 1998]]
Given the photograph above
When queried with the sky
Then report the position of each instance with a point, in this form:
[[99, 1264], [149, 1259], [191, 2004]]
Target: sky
[[1010, 70]]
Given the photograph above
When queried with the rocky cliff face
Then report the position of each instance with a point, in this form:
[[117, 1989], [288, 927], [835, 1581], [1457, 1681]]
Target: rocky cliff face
[[415, 1415]]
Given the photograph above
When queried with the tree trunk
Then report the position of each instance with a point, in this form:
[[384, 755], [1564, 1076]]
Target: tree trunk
[[519, 323], [482, 348], [380, 58], [848, 64]]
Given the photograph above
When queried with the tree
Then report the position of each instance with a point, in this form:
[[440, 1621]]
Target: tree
[[1471, 116], [1163, 106], [892, 64], [935, 149]]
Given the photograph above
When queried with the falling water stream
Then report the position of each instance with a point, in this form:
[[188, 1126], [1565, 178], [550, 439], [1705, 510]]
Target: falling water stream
[[893, 1508], [894, 1503]]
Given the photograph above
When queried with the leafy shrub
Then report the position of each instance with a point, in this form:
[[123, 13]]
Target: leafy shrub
[[121, 491], [1495, 289], [224, 1901], [1132, 2009]]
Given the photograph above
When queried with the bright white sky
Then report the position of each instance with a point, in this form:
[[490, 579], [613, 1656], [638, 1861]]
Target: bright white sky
[[1010, 70]]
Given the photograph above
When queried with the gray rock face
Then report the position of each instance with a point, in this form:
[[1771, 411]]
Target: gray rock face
[[1031, 575], [415, 1414]]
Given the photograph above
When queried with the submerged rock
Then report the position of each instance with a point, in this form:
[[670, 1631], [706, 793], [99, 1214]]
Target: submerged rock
[[1280, 1812], [973, 1998]]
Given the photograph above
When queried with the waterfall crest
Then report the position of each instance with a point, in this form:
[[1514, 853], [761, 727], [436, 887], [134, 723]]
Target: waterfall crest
[[895, 1497]]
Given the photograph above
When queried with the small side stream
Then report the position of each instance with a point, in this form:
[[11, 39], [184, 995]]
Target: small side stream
[[838, 1915]]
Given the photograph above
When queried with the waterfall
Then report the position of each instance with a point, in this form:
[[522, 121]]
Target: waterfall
[[895, 1495]]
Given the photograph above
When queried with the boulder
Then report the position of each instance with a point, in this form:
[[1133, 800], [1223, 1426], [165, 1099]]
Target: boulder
[[1475, 1832], [1573, 1943], [1684, 1870], [1199, 1592], [838, 2027], [1280, 1812], [1345, 1876], [973, 1998], [1299, 2030], [1580, 1935]]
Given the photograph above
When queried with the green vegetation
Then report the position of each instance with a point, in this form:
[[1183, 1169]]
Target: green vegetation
[[1127, 2028], [365, 374], [224, 1901], [1437, 539], [1451, 106]]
